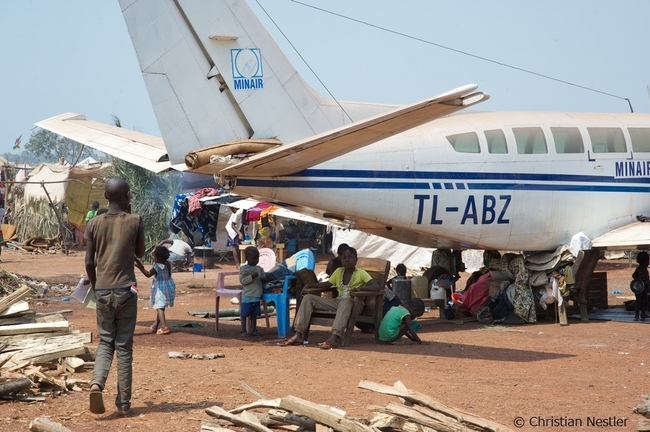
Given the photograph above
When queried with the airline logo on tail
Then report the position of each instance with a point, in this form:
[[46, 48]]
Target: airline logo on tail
[[247, 69]]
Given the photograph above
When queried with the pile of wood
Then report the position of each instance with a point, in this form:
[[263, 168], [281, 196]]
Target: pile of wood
[[39, 243], [38, 351], [415, 412]]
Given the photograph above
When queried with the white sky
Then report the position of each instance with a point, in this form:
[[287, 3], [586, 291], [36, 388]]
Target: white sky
[[76, 55]]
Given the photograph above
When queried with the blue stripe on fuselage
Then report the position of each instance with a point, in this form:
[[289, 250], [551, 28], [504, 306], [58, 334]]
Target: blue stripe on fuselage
[[344, 179]]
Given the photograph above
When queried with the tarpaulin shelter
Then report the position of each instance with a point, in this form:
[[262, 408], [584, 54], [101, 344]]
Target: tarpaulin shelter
[[76, 187]]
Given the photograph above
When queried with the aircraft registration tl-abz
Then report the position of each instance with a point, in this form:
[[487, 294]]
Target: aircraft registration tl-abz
[[522, 181]]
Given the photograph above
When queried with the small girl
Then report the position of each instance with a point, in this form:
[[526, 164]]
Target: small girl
[[163, 288]]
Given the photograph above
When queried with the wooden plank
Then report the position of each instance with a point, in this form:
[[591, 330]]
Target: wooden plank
[[285, 417], [262, 403], [49, 352], [14, 386], [421, 399], [14, 297], [220, 413], [16, 308], [29, 343], [33, 328], [426, 417], [320, 414], [44, 424]]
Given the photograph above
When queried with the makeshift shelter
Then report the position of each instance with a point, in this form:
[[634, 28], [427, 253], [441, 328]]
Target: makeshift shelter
[[56, 195]]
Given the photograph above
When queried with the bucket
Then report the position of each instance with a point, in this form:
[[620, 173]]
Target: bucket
[[402, 289], [420, 287], [198, 268]]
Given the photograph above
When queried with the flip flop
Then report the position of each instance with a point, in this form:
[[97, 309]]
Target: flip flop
[[96, 402], [163, 331], [326, 345], [288, 342]]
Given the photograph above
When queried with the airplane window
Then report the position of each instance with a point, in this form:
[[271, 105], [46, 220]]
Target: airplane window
[[530, 140], [567, 140], [607, 140], [464, 142], [640, 139], [496, 141]]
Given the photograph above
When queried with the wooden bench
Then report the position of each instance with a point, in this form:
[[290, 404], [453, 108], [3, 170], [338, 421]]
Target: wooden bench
[[367, 304]]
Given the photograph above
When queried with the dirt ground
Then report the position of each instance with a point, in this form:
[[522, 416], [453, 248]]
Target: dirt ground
[[545, 373]]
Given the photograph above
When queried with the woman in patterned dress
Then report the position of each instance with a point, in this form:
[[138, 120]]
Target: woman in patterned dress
[[163, 288]]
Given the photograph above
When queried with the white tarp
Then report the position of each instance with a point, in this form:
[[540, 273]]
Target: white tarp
[[55, 179], [372, 246]]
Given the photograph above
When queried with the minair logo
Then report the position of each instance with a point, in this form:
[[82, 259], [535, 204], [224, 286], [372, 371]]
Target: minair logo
[[630, 169], [247, 68]]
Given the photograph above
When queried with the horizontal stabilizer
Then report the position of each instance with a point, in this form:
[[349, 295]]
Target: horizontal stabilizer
[[297, 156], [633, 236], [140, 149]]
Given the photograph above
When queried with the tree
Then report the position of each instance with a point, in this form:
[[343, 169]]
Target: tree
[[51, 147]]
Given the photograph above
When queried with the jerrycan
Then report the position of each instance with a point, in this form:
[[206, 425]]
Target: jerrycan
[[436, 292], [419, 287], [402, 289]]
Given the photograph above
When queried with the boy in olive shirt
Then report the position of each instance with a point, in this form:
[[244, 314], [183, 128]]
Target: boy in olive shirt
[[113, 241]]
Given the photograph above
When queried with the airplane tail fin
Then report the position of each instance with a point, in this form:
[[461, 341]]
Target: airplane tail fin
[[214, 74]]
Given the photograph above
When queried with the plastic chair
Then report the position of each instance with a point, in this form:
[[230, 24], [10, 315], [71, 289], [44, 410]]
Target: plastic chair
[[303, 259], [267, 262]]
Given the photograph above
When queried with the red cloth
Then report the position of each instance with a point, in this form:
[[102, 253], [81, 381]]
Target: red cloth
[[477, 293], [253, 214], [193, 203]]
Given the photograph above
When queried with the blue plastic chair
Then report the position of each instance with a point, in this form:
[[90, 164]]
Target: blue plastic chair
[[304, 259]]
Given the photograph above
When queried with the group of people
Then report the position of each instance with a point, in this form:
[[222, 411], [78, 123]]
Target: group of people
[[115, 247]]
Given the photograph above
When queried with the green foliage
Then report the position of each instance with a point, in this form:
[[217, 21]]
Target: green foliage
[[152, 197], [36, 218], [47, 146]]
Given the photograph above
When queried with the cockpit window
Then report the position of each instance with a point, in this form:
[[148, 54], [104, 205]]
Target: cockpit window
[[567, 140], [496, 141], [465, 142], [607, 140], [640, 139], [530, 140]]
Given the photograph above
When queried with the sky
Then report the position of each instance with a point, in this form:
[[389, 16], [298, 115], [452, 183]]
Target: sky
[[76, 55]]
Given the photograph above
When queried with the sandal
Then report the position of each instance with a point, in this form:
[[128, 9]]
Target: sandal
[[153, 328], [163, 331], [96, 402], [326, 345], [289, 342]]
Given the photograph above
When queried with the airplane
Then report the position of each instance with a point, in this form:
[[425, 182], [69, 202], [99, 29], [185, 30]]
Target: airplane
[[424, 174]]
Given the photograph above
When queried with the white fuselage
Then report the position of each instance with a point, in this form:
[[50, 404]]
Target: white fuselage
[[416, 188]]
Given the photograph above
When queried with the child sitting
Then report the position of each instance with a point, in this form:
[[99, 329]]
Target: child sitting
[[399, 322], [251, 276], [641, 273], [163, 288]]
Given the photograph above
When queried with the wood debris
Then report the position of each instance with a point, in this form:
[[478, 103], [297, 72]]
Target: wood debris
[[38, 351], [184, 355], [414, 412]]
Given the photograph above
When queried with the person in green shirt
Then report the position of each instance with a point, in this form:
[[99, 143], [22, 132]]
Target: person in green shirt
[[398, 322], [92, 213]]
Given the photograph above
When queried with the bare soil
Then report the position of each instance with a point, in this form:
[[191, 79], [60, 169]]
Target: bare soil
[[540, 372]]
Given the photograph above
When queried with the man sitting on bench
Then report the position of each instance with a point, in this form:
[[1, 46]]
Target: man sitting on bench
[[180, 253]]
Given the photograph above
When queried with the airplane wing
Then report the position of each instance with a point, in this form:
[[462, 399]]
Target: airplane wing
[[295, 157], [632, 236], [140, 149]]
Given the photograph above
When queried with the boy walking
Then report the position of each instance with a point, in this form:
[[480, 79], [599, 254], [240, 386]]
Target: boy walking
[[113, 241]]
